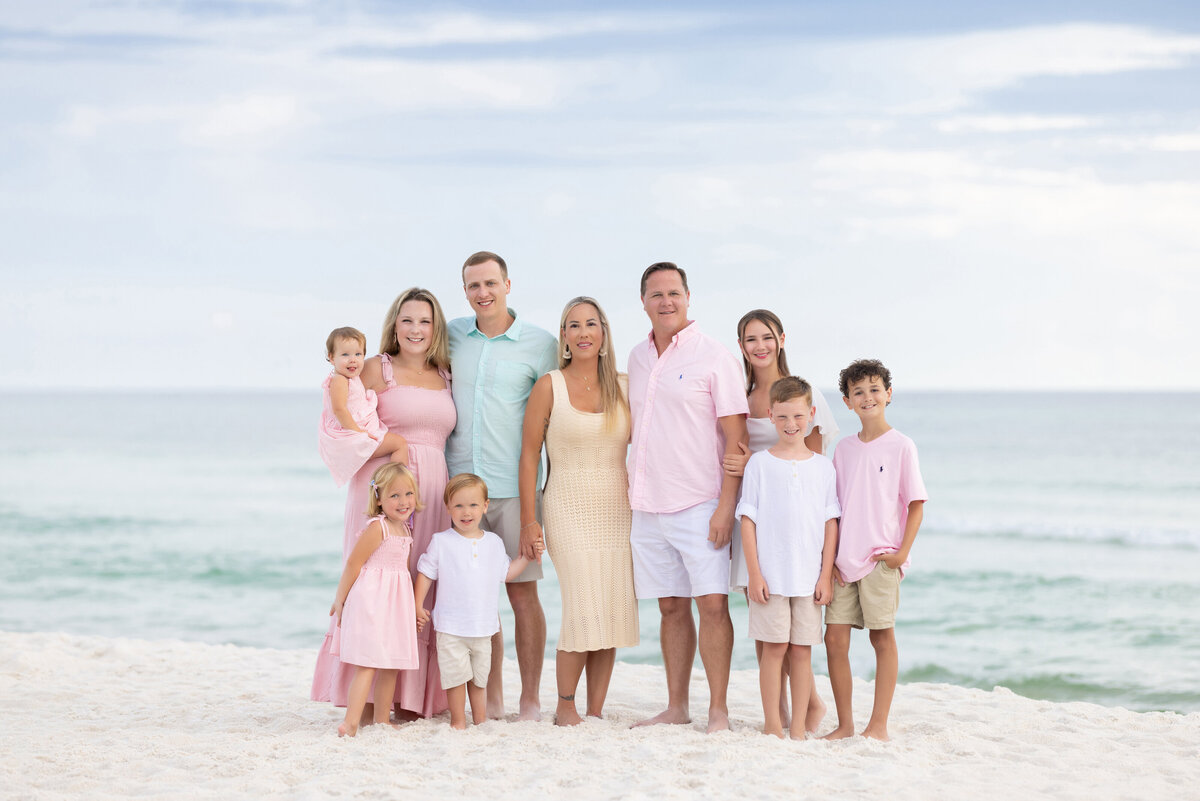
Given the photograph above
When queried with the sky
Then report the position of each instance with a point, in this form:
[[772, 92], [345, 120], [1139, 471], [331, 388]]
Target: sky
[[192, 194]]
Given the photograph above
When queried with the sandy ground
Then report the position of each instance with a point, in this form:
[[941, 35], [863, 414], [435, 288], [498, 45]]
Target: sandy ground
[[114, 718]]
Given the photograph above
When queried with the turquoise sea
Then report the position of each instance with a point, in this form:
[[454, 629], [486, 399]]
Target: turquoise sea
[[1058, 555]]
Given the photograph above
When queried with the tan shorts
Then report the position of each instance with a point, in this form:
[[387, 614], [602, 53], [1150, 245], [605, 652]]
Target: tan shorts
[[463, 659], [782, 619], [504, 518], [871, 602]]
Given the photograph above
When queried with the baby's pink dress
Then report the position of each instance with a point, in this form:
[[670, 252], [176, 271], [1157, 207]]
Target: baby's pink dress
[[345, 451], [379, 623]]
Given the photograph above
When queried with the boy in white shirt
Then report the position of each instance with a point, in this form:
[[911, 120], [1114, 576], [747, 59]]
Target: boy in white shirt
[[788, 512], [469, 565]]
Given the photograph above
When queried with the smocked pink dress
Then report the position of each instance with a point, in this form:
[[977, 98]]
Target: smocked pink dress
[[345, 451], [379, 621], [424, 417]]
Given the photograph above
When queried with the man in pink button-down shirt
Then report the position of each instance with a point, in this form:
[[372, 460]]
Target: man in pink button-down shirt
[[688, 400]]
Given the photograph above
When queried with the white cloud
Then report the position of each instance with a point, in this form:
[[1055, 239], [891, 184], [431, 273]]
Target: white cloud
[[1013, 123]]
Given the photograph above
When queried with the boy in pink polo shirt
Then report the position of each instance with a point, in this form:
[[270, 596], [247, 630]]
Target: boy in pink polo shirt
[[882, 496]]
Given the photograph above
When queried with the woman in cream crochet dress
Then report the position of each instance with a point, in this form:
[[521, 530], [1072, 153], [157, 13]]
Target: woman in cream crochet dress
[[581, 414]]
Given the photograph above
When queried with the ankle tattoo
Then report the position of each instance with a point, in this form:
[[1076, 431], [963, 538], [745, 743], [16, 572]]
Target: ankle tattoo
[[570, 697]]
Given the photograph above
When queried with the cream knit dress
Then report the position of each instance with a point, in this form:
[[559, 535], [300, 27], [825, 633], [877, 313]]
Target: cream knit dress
[[587, 520]]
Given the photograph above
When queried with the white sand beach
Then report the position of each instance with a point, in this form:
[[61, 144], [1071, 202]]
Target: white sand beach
[[97, 718]]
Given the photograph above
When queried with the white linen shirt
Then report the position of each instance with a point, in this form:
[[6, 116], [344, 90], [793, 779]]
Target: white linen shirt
[[789, 502], [468, 574]]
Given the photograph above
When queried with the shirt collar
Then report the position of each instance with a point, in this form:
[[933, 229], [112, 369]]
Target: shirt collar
[[513, 332], [690, 330]]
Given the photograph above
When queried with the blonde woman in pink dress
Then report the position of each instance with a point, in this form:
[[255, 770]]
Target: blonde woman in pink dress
[[411, 380]]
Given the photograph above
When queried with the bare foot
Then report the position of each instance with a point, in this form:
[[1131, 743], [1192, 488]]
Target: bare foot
[[840, 733], [495, 710], [566, 714], [777, 732], [816, 713], [668, 715], [718, 720], [346, 730], [876, 732], [595, 715], [530, 711]]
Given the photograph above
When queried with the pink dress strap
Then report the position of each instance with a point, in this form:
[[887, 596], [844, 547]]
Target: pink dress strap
[[385, 367]]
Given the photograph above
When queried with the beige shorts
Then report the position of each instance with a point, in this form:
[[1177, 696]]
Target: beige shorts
[[504, 519], [871, 602], [463, 659], [782, 619]]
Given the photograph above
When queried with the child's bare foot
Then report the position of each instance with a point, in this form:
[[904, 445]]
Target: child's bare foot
[[346, 730], [670, 715], [778, 732], [816, 713], [718, 720], [566, 714], [840, 733], [876, 732]]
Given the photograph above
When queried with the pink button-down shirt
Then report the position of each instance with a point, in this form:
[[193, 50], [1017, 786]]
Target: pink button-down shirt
[[676, 398]]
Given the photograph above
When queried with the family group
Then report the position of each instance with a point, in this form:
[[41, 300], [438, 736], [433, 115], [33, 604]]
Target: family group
[[685, 478]]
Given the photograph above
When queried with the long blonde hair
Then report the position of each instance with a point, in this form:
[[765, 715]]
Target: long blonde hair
[[771, 321], [438, 354], [616, 405]]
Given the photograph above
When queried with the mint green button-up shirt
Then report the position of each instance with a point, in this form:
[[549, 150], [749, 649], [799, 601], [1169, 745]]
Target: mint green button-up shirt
[[492, 379]]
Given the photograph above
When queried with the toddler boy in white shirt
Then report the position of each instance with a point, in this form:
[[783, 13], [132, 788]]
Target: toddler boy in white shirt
[[789, 511], [469, 565]]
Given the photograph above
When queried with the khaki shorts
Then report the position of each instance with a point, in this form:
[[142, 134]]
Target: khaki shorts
[[504, 519], [782, 619], [463, 659], [871, 602]]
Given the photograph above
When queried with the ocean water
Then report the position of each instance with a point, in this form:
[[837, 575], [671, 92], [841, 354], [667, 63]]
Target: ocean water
[[1057, 558]]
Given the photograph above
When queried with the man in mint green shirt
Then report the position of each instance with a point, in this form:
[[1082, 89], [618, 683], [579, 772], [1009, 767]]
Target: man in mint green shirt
[[495, 359]]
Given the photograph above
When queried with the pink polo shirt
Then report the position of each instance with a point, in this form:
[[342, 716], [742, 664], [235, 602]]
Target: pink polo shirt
[[676, 398], [876, 481]]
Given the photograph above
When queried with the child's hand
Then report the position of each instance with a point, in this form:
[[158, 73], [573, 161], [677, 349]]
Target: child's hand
[[892, 560], [422, 618], [539, 548], [734, 464], [336, 609], [823, 592], [837, 576], [758, 590], [531, 535]]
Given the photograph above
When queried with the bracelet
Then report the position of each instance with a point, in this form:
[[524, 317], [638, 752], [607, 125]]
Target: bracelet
[[527, 525]]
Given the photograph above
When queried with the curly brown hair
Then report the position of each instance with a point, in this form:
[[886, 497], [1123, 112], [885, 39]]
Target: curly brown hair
[[861, 369]]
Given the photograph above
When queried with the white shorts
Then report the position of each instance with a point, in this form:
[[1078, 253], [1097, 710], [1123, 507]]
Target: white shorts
[[672, 557]]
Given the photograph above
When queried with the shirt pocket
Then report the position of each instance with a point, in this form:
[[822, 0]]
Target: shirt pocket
[[513, 381]]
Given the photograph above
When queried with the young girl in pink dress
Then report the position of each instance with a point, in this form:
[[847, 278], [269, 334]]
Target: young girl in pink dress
[[374, 602], [350, 432]]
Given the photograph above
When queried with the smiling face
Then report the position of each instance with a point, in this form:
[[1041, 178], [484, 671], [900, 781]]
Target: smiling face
[[666, 302], [467, 507], [486, 289], [399, 500], [760, 345], [347, 357], [791, 418], [414, 327], [582, 331], [867, 397]]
